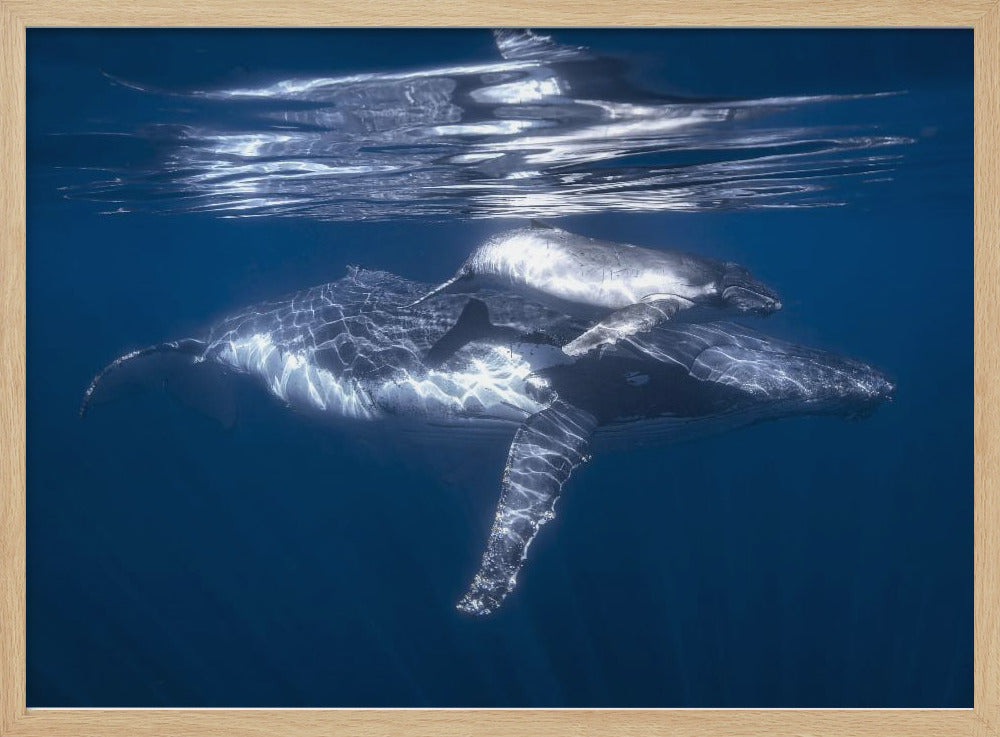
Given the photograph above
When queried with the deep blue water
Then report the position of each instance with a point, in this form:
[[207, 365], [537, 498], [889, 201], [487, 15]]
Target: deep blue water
[[802, 563]]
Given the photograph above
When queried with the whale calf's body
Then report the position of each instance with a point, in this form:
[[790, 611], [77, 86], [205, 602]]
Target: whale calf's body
[[627, 288], [354, 349]]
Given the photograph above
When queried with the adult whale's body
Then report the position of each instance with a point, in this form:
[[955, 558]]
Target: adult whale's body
[[354, 349]]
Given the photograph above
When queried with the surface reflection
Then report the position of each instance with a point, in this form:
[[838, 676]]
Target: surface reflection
[[548, 130]]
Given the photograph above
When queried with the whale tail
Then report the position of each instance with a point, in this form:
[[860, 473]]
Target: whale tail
[[176, 366]]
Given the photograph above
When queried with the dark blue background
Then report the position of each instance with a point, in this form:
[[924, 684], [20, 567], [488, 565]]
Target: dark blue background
[[809, 562]]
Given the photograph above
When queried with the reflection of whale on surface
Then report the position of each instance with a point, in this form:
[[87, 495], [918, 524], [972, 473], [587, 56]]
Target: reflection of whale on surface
[[538, 129], [351, 349], [639, 287]]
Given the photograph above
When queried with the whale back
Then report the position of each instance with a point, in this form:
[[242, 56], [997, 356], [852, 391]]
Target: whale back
[[362, 325], [352, 327], [583, 275], [357, 347]]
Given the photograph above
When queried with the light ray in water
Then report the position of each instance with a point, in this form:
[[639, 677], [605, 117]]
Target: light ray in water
[[508, 138]]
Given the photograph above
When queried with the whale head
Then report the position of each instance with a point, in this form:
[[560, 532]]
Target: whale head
[[689, 371], [742, 292], [769, 376]]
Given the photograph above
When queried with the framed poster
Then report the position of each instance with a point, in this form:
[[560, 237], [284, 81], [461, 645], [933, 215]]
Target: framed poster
[[579, 377]]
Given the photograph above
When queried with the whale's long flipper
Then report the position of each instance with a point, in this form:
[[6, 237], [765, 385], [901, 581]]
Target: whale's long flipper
[[545, 450], [626, 322]]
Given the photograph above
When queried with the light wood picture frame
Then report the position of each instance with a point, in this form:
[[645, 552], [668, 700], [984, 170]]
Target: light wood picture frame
[[18, 15]]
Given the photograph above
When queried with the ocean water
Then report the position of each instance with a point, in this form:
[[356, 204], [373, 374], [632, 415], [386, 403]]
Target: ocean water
[[176, 176]]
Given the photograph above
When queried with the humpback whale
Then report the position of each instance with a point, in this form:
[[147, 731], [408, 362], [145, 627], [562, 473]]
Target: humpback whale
[[354, 349], [629, 288]]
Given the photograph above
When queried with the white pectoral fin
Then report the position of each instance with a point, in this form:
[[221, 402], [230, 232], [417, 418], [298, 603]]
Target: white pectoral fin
[[545, 450], [625, 322]]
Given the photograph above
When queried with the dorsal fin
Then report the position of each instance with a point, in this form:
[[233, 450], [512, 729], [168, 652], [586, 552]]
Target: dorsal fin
[[472, 325]]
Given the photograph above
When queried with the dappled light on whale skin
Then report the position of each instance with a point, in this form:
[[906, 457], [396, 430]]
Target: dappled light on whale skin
[[504, 138], [355, 349], [652, 387]]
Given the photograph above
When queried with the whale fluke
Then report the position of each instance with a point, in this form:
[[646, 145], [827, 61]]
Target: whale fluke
[[545, 450], [174, 366], [128, 373]]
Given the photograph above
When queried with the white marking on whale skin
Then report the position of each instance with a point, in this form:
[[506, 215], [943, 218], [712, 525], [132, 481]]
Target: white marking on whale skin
[[494, 382], [575, 271], [294, 379]]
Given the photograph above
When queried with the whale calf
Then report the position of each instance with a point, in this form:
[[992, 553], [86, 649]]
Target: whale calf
[[355, 349], [627, 288]]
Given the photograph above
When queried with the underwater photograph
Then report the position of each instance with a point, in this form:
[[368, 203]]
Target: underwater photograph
[[550, 368]]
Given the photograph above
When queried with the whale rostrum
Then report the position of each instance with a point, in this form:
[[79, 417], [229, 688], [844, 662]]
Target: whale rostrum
[[627, 289], [355, 350]]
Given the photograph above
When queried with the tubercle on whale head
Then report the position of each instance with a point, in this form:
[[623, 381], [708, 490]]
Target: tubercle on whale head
[[878, 389], [740, 290], [885, 387], [846, 387]]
